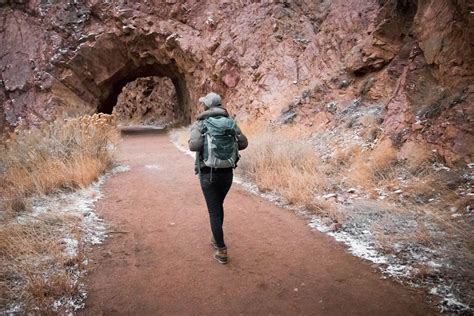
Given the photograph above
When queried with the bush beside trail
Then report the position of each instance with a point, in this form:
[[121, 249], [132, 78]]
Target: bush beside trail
[[42, 253], [406, 206]]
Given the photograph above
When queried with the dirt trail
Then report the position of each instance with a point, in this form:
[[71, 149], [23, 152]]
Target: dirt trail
[[159, 260]]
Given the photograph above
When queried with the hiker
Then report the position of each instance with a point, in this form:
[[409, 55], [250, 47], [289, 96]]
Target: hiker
[[216, 139]]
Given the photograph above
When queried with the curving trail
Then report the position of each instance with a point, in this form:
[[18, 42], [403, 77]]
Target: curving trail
[[158, 261]]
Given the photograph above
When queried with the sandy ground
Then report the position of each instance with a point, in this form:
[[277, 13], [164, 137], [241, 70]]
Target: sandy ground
[[158, 260]]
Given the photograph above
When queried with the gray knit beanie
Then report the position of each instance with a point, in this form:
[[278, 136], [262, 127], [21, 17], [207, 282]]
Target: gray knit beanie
[[211, 100]]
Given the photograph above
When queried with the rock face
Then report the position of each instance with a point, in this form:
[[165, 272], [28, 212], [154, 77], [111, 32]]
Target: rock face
[[148, 100], [304, 59]]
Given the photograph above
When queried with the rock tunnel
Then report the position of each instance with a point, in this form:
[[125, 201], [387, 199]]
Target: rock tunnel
[[126, 75], [98, 71]]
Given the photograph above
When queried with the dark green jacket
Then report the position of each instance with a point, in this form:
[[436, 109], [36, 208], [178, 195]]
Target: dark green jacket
[[196, 140]]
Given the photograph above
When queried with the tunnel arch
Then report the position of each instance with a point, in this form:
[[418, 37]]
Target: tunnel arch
[[113, 86], [93, 76]]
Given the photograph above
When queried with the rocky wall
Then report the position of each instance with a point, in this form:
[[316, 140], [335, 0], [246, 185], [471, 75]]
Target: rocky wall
[[287, 62], [147, 101]]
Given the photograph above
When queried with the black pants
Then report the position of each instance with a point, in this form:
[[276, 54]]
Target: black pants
[[215, 186]]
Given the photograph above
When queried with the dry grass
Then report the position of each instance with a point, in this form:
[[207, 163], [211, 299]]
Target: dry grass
[[181, 136], [419, 158], [251, 129], [281, 160], [35, 268], [405, 202], [345, 156], [283, 164], [371, 129], [382, 156], [63, 154], [369, 168]]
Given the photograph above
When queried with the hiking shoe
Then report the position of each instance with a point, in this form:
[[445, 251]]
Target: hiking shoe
[[221, 256], [213, 243]]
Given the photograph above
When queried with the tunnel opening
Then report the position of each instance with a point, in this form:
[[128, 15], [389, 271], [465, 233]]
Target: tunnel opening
[[149, 78], [148, 101]]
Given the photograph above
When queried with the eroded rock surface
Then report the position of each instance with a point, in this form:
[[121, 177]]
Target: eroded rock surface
[[308, 60], [148, 100]]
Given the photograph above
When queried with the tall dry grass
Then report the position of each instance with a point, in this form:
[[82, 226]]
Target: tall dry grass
[[35, 270], [35, 267], [406, 203], [370, 169], [282, 160], [67, 153], [283, 163], [392, 188]]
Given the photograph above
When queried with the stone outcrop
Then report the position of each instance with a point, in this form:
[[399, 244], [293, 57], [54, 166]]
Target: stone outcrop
[[149, 101], [308, 60]]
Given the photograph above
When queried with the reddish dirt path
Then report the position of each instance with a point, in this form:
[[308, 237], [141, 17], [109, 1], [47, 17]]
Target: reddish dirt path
[[163, 264]]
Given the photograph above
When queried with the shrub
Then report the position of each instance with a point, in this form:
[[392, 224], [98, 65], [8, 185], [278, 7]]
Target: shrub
[[283, 164], [67, 154], [36, 268]]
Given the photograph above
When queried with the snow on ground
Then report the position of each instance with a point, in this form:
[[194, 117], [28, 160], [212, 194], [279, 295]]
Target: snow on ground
[[92, 227], [361, 244], [449, 301], [141, 127], [174, 140], [152, 167]]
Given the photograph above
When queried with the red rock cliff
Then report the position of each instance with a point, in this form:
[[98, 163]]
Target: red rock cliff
[[284, 61]]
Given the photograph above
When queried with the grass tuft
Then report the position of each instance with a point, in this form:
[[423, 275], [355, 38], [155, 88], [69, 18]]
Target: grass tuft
[[65, 154], [283, 165], [36, 267]]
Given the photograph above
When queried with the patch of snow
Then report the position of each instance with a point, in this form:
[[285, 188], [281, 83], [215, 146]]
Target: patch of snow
[[390, 265], [357, 247], [439, 166], [434, 265], [210, 20], [382, 193], [448, 300], [184, 150], [361, 245], [152, 167], [360, 241], [13, 309], [93, 230], [118, 169], [72, 304], [70, 246], [144, 126], [269, 196]]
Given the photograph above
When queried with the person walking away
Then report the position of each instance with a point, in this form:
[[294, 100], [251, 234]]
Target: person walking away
[[216, 139]]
